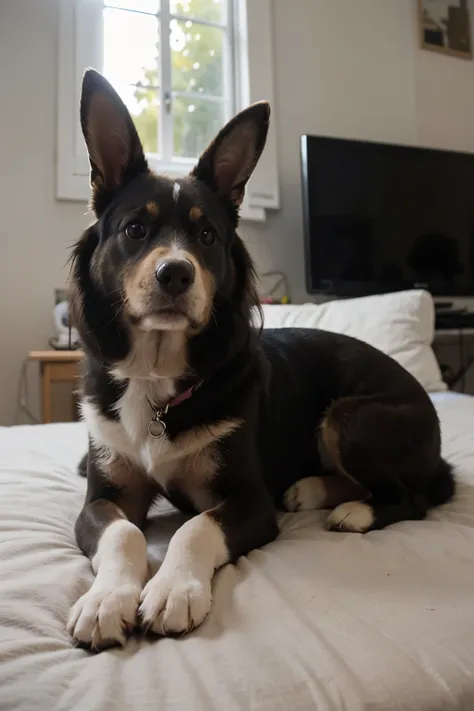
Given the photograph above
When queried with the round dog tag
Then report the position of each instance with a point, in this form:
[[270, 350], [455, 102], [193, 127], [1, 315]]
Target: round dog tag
[[156, 429]]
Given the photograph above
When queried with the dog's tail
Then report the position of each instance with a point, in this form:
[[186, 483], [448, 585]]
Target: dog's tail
[[82, 468], [443, 486]]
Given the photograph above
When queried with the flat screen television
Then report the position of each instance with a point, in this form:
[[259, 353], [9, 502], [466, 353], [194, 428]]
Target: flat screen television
[[381, 218]]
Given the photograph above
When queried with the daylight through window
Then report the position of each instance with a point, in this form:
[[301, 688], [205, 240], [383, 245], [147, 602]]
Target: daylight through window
[[172, 63]]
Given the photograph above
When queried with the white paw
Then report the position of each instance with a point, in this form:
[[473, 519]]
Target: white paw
[[174, 602], [305, 495], [355, 516], [105, 615]]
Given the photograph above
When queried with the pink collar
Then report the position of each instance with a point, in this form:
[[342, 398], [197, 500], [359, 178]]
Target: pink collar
[[157, 425], [184, 396]]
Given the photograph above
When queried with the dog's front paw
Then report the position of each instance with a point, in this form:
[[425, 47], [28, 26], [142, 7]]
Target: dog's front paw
[[306, 494], [105, 615], [174, 602]]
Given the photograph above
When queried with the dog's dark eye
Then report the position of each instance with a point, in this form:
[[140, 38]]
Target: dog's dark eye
[[207, 237], [136, 230]]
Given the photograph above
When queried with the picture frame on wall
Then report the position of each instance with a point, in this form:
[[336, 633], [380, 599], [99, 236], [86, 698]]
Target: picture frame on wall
[[445, 27]]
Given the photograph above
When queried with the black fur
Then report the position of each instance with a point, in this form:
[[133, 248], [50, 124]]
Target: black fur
[[282, 386]]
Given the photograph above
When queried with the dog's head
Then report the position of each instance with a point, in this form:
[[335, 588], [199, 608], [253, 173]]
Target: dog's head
[[163, 254]]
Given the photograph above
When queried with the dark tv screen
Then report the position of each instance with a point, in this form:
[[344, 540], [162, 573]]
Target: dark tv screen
[[381, 218]]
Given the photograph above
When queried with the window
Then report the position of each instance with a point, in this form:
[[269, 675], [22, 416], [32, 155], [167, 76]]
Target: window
[[183, 68], [172, 64]]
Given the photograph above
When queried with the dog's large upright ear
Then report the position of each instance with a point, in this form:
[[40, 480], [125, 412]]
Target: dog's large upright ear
[[231, 158], [115, 152]]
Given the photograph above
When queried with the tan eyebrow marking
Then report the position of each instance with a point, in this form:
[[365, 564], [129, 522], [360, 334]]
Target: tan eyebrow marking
[[195, 213], [153, 208]]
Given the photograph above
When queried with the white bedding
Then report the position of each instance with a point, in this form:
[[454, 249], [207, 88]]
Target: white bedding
[[314, 620]]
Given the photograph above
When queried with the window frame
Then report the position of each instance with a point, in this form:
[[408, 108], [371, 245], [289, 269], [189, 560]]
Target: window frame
[[80, 44]]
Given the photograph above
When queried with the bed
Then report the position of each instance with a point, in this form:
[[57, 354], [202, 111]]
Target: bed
[[314, 620]]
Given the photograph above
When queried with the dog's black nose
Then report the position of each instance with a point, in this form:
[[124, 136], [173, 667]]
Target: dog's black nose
[[175, 276]]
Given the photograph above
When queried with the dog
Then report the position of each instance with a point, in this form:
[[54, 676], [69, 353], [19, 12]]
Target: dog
[[185, 396]]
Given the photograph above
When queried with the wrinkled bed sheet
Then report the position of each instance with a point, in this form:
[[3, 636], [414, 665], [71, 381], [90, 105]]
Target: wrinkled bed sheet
[[315, 620]]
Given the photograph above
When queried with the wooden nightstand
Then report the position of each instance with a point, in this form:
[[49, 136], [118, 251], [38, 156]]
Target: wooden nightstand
[[55, 367]]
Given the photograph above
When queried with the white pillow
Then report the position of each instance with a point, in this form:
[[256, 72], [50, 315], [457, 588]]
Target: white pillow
[[399, 324]]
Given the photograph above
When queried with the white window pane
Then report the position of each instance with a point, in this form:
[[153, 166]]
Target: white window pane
[[137, 5], [195, 124], [130, 47], [210, 10], [196, 58]]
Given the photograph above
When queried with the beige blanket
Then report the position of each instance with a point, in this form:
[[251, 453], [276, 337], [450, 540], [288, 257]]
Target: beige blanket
[[315, 620]]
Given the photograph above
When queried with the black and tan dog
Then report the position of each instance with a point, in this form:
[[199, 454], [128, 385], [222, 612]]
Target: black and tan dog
[[183, 398]]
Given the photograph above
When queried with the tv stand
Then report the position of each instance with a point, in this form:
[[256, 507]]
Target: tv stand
[[453, 319], [460, 338]]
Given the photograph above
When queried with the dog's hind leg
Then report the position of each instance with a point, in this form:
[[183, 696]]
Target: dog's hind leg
[[392, 451], [321, 492], [363, 516]]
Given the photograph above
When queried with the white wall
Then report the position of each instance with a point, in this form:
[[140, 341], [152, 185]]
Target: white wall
[[354, 70], [445, 101], [35, 230], [343, 68]]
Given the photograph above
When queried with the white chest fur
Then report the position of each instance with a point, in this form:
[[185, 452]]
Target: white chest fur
[[188, 460], [128, 436], [135, 412]]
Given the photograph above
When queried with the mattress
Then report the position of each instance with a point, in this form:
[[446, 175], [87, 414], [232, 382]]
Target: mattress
[[314, 620]]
